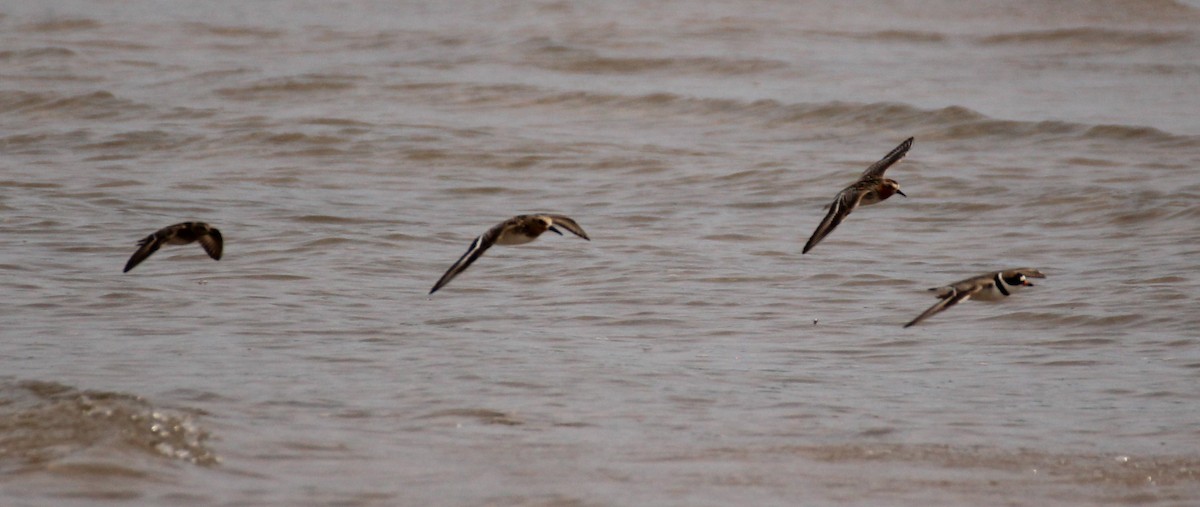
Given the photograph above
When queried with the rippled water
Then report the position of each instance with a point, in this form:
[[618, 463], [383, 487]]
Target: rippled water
[[687, 355]]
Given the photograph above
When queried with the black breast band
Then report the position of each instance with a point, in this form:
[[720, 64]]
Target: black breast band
[[1000, 284]]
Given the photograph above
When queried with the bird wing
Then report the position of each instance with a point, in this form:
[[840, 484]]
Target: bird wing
[[842, 205], [569, 225], [955, 296], [888, 160], [480, 245], [146, 246], [212, 243]]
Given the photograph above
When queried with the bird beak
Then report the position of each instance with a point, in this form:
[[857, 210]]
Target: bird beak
[[555, 230], [901, 193]]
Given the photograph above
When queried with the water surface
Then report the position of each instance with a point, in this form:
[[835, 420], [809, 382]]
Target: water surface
[[687, 355]]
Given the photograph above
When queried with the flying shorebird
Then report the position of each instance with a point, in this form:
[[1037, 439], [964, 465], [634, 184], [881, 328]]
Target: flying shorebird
[[986, 287], [178, 234], [517, 230], [870, 188]]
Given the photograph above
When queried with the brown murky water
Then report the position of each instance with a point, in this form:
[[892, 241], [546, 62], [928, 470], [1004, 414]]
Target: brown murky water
[[687, 355]]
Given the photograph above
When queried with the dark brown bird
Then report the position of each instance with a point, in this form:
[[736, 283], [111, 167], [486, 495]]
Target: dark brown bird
[[870, 188], [517, 230], [178, 234]]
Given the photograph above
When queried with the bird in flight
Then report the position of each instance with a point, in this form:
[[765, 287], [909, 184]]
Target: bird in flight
[[178, 234], [517, 230], [870, 188], [986, 287]]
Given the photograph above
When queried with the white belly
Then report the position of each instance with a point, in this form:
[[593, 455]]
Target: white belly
[[513, 238], [990, 293]]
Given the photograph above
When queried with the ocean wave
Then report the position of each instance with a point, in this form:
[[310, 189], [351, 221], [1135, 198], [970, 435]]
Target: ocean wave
[[293, 138], [63, 25], [951, 122], [595, 64], [233, 31], [1089, 36], [95, 105], [142, 141], [329, 219], [36, 53], [292, 85], [1077, 319], [1074, 468], [543, 54], [45, 424], [903, 36]]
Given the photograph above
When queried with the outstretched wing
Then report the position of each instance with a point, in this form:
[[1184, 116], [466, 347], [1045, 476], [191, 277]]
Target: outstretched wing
[[212, 243], [842, 205], [480, 245], [146, 246], [954, 297], [878, 168], [569, 225]]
